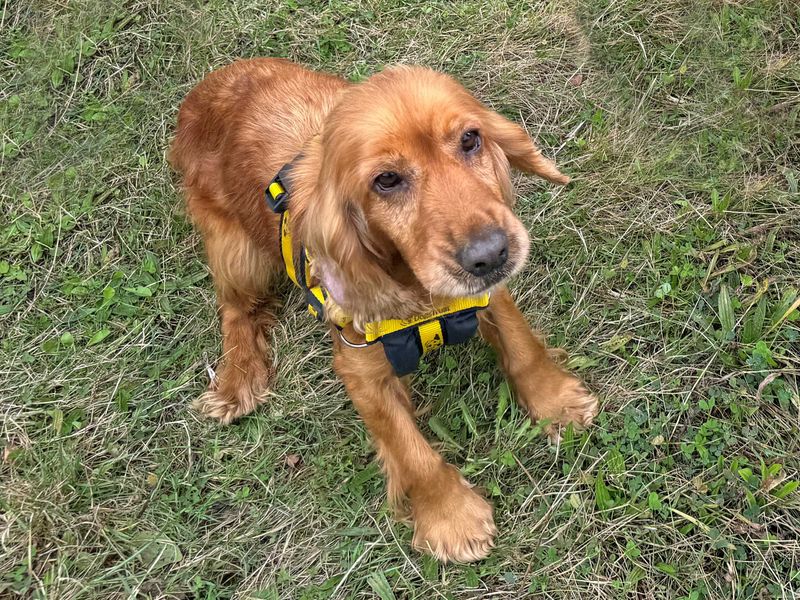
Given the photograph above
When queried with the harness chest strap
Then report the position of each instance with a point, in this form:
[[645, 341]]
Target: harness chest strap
[[404, 341], [376, 330]]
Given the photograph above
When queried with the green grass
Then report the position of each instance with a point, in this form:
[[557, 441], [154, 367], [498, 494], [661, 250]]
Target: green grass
[[669, 269]]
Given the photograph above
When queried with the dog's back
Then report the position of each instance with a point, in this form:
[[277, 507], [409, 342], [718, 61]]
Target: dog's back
[[245, 121]]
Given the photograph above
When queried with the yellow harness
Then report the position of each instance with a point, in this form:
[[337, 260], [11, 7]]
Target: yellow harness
[[404, 340]]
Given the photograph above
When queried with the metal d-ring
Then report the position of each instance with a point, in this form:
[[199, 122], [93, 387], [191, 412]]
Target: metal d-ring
[[348, 343]]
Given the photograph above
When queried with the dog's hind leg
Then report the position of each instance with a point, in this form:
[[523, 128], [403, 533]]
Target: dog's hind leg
[[242, 273]]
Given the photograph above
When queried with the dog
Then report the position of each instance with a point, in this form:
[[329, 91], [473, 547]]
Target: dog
[[400, 199]]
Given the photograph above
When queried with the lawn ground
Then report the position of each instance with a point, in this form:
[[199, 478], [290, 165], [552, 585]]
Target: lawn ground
[[669, 269]]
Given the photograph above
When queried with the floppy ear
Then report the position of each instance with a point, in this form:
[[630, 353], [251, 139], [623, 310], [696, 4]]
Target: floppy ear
[[341, 232], [520, 150], [333, 226]]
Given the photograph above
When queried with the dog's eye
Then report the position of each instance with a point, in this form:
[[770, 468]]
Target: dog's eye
[[470, 141], [386, 182]]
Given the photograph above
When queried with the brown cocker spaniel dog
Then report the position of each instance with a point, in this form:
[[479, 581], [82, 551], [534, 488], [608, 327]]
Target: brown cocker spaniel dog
[[401, 192]]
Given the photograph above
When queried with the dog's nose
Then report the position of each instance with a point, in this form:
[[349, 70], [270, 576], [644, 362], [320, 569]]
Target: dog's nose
[[484, 253]]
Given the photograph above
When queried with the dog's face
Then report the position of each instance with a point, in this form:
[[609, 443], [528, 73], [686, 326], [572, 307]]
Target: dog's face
[[421, 169]]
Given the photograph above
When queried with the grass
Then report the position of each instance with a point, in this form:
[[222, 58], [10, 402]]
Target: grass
[[669, 269]]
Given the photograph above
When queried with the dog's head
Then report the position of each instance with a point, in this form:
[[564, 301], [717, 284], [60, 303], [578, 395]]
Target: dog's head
[[414, 174]]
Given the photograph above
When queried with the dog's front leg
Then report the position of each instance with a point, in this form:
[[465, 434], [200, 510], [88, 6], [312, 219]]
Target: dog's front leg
[[542, 387], [451, 521]]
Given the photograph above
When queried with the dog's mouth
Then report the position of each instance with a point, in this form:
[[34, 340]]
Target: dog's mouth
[[486, 260], [453, 281], [478, 285], [468, 284]]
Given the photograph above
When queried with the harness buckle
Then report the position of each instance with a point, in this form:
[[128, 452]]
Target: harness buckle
[[276, 195], [277, 192]]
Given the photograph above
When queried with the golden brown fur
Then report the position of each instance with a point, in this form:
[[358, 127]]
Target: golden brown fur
[[382, 255]]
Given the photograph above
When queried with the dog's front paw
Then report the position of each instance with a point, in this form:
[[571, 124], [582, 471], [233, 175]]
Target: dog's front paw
[[232, 399], [451, 521], [576, 405], [565, 400]]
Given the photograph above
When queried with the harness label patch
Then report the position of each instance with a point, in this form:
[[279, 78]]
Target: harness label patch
[[431, 336]]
